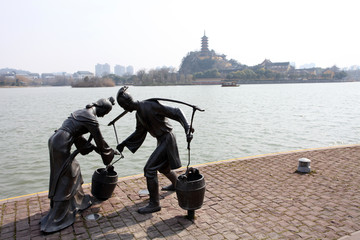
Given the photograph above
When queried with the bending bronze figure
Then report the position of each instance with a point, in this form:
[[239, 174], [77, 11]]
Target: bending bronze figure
[[151, 117], [65, 190]]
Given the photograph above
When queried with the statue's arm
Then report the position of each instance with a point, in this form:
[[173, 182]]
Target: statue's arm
[[135, 140], [175, 114], [83, 145], [106, 152]]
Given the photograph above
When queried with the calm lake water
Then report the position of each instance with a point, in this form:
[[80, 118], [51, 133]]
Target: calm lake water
[[237, 122]]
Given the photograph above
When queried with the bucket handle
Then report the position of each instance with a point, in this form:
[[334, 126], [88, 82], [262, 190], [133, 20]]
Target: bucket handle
[[190, 170], [191, 124], [117, 140]]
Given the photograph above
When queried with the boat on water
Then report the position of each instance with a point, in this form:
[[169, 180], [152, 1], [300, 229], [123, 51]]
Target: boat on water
[[229, 83]]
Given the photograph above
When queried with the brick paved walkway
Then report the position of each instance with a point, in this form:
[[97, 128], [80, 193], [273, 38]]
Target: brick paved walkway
[[248, 198]]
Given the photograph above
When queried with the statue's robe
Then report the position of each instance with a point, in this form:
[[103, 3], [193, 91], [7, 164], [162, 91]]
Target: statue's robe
[[65, 190], [152, 117]]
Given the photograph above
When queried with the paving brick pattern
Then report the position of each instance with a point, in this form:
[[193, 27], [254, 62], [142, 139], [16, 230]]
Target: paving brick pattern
[[249, 198]]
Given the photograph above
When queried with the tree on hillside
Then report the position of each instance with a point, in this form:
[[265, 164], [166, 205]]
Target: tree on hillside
[[192, 63], [212, 73]]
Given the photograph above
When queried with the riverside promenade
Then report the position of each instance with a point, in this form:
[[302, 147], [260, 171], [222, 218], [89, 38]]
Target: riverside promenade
[[259, 197]]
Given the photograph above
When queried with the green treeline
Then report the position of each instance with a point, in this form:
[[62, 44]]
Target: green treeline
[[265, 74], [161, 76]]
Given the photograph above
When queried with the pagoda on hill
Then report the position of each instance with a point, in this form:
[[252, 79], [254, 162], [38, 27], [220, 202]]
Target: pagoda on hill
[[204, 44], [204, 60]]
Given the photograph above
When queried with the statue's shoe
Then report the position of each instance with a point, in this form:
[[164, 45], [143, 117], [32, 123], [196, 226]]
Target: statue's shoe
[[150, 208], [170, 187]]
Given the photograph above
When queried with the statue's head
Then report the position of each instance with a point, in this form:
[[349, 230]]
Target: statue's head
[[103, 106], [124, 99]]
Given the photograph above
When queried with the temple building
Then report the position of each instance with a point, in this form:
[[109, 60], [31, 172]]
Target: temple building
[[277, 66]]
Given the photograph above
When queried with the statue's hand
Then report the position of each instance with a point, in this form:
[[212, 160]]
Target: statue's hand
[[189, 134], [189, 130], [116, 153], [109, 168], [107, 161], [86, 150], [189, 137], [120, 147]]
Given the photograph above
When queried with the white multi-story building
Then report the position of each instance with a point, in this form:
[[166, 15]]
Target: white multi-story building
[[106, 69], [102, 69], [119, 70], [98, 70], [130, 70]]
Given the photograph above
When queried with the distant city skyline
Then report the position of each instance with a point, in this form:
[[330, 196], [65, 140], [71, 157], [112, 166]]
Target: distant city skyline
[[105, 69], [69, 36]]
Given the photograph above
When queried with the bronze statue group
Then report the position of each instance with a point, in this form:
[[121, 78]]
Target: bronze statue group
[[65, 186]]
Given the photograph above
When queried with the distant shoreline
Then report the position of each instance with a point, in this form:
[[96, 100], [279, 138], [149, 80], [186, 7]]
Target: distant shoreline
[[244, 82], [292, 81]]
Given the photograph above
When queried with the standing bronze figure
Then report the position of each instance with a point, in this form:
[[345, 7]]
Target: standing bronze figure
[[151, 116], [65, 191]]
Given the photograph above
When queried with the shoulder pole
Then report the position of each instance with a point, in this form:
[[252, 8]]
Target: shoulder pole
[[157, 99], [117, 118], [176, 101]]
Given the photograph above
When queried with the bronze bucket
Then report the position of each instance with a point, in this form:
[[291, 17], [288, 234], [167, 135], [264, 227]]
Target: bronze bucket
[[103, 183], [190, 191]]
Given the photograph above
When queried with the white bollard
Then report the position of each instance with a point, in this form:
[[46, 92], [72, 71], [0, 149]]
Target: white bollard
[[304, 165]]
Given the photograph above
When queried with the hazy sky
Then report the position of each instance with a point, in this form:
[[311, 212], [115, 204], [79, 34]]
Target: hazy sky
[[72, 35]]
